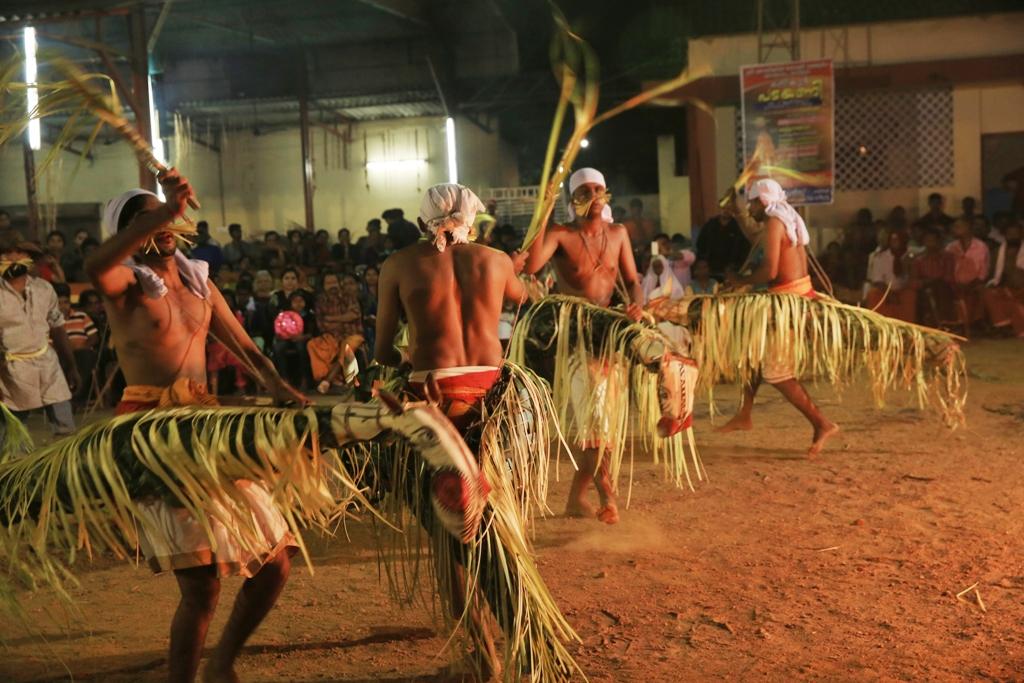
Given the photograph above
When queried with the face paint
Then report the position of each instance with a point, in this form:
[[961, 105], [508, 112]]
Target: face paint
[[13, 269], [581, 202]]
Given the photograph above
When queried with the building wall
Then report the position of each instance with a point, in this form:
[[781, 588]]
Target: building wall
[[893, 42], [673, 190], [256, 180], [977, 110]]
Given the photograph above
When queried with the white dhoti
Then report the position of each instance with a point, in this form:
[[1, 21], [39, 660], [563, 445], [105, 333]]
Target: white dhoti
[[172, 538], [30, 381]]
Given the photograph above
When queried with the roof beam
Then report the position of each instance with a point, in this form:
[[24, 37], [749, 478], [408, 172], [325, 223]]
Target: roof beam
[[408, 10]]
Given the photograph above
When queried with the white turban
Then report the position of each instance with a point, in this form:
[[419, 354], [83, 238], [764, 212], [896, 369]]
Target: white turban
[[587, 175], [448, 210], [112, 211], [773, 197]]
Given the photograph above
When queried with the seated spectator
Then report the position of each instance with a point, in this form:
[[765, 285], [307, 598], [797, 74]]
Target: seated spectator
[[679, 260], [344, 250], [219, 359], [660, 282], [82, 336], [1004, 297], [207, 249], [237, 249], [890, 292], [932, 277], [722, 245], [702, 282], [340, 323], [970, 269], [259, 310], [897, 218], [291, 283], [882, 242], [293, 328], [368, 303], [81, 235]]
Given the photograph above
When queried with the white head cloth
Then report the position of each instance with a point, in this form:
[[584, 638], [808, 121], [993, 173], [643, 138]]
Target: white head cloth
[[194, 273], [448, 210], [587, 175], [112, 211], [773, 197], [664, 285]]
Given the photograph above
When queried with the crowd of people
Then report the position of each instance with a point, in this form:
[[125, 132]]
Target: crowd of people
[[310, 302]]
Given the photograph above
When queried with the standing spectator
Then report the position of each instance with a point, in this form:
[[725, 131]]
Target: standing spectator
[[882, 242], [7, 230], [207, 249], [340, 323], [968, 206], [81, 235], [344, 251], [371, 244], [273, 254], [30, 374], [1004, 296], [48, 264], [401, 231], [320, 252], [295, 250], [723, 246], [891, 293], [640, 228], [936, 217], [933, 279], [970, 270], [237, 249]]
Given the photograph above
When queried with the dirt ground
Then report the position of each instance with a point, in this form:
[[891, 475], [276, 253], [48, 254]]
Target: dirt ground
[[842, 569]]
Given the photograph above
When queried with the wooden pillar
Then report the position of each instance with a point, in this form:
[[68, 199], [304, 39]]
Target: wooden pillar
[[700, 162], [31, 196], [140, 87], [307, 161]]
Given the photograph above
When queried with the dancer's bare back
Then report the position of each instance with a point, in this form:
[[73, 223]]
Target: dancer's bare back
[[452, 301]]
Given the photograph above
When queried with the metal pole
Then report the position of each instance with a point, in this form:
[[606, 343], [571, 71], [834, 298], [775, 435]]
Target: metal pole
[[307, 162]]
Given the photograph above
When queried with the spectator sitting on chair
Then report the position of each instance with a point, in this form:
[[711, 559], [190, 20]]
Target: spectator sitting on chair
[[293, 328], [340, 323]]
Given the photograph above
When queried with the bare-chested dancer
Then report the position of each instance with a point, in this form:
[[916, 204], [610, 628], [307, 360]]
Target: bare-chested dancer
[[593, 258], [161, 306], [451, 291], [784, 270]]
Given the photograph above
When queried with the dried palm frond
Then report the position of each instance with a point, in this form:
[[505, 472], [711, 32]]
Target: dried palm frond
[[823, 338], [14, 437], [576, 69], [86, 99], [562, 336]]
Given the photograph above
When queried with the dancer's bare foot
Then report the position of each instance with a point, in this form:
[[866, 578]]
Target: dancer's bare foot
[[609, 514], [579, 508], [739, 423], [821, 435], [219, 673]]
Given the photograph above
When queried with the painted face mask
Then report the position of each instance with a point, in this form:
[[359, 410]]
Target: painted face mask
[[581, 203], [13, 269]]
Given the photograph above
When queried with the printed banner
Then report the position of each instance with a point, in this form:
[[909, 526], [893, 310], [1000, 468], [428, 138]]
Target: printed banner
[[789, 127]]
